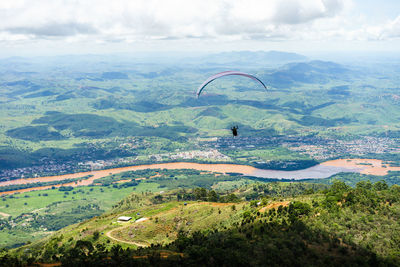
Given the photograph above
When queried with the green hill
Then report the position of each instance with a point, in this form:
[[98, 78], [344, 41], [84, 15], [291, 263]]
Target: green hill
[[336, 226], [69, 114]]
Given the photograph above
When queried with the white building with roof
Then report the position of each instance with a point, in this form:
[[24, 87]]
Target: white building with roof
[[124, 218]]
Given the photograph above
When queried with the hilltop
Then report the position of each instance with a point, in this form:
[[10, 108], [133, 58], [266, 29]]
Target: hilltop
[[284, 226]]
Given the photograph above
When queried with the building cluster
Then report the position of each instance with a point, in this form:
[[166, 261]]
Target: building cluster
[[315, 146], [63, 168], [333, 148], [211, 154], [101, 164], [199, 154], [38, 170]]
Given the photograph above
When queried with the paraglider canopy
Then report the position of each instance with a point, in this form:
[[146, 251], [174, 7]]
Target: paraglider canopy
[[226, 73]]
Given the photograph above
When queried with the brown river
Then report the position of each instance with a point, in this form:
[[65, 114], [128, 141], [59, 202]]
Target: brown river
[[323, 170]]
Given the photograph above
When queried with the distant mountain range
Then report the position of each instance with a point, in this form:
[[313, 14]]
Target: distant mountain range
[[264, 58], [315, 71], [247, 58]]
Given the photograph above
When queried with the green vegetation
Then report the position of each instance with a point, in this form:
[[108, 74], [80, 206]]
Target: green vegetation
[[64, 115], [53, 209], [282, 159], [167, 179], [353, 178], [286, 224], [39, 184], [60, 207], [34, 133], [152, 103]]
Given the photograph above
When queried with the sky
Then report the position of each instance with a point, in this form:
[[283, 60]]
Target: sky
[[53, 27]]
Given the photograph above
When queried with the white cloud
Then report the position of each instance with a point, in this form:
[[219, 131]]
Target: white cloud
[[391, 29], [54, 29], [152, 19], [213, 21]]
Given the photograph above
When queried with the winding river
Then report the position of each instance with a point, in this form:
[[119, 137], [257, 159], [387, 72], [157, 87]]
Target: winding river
[[323, 170]]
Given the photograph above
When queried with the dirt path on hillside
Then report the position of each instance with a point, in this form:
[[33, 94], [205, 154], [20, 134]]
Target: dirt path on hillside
[[109, 234], [4, 214]]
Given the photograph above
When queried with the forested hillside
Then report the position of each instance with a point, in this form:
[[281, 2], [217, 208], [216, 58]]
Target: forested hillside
[[338, 225]]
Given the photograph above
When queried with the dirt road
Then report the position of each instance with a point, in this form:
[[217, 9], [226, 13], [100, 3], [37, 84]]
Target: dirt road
[[139, 244], [4, 214]]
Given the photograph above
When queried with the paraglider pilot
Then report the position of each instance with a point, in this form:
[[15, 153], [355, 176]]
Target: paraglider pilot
[[234, 130], [227, 73]]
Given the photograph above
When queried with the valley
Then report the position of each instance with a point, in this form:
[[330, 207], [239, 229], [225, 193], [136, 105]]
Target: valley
[[200, 133], [364, 166], [168, 227], [85, 140]]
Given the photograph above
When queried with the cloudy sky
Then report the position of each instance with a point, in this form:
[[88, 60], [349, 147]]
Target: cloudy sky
[[104, 26]]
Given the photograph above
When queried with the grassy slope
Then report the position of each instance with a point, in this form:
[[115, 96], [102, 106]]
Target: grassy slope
[[105, 198], [340, 232], [165, 223], [54, 203], [162, 227], [57, 203]]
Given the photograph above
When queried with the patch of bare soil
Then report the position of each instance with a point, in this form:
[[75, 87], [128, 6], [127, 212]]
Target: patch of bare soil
[[275, 205]]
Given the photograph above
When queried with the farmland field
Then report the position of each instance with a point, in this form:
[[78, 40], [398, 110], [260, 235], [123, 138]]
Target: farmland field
[[112, 137]]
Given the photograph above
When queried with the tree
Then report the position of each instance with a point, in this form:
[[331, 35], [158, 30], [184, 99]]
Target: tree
[[200, 193], [116, 253], [366, 185], [380, 185], [96, 235], [339, 187], [157, 199], [297, 209], [212, 196]]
